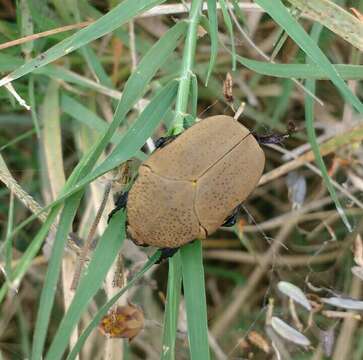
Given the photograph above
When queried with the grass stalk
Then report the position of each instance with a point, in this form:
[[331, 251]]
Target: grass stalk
[[187, 66]]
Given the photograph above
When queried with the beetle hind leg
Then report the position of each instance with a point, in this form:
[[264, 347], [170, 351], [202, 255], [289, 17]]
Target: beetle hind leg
[[232, 219], [166, 253], [165, 140], [119, 204]]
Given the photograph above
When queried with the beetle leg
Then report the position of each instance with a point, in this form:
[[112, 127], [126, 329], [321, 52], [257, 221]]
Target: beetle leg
[[166, 253], [119, 204], [165, 140], [271, 139], [232, 219]]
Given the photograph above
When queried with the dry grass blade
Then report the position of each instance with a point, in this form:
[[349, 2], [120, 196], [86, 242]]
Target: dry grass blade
[[335, 18]]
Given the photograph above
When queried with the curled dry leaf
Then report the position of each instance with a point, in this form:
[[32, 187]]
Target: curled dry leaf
[[259, 341], [123, 322], [294, 293], [288, 332], [345, 303]]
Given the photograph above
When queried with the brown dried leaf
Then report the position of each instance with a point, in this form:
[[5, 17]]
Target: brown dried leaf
[[358, 14], [201, 31]]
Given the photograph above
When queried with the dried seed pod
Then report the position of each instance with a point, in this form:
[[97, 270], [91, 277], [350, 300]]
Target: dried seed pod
[[123, 322], [228, 88]]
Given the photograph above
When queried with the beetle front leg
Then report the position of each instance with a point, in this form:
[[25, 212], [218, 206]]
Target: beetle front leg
[[277, 139], [166, 253], [119, 204], [165, 140], [232, 219]]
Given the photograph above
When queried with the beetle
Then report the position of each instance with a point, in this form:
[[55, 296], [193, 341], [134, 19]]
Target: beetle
[[192, 184]]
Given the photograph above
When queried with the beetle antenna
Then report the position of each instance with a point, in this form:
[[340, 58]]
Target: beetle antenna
[[276, 139]]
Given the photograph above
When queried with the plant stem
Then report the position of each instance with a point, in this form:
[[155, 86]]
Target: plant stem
[[187, 65]]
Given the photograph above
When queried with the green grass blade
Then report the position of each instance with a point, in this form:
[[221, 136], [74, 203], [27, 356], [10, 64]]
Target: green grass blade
[[14, 141], [195, 300], [309, 119], [194, 95], [140, 130], [240, 15], [134, 89], [83, 115], [282, 103], [60, 73], [8, 244], [213, 33], [51, 278], [281, 15], [229, 25], [127, 146], [103, 310], [33, 106], [148, 66], [103, 257], [27, 26], [31, 251], [119, 15], [335, 18], [138, 134], [172, 308], [301, 71]]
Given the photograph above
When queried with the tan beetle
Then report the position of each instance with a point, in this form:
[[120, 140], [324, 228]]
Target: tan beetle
[[188, 188]]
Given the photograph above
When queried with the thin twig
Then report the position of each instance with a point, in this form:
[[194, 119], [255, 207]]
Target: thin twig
[[230, 314], [349, 137], [344, 343], [30, 203], [314, 169], [155, 11], [284, 260], [266, 57], [40, 35], [88, 243]]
